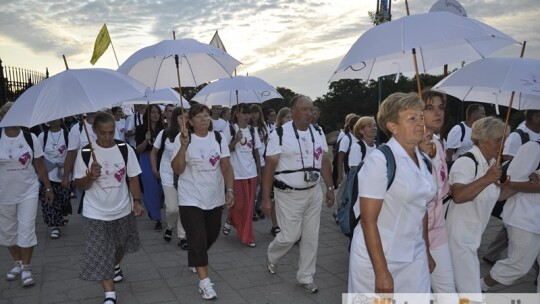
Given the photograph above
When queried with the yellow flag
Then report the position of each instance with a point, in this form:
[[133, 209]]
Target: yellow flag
[[102, 43]]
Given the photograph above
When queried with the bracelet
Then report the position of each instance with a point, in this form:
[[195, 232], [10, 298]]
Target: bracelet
[[137, 200], [48, 190], [330, 188], [230, 190]]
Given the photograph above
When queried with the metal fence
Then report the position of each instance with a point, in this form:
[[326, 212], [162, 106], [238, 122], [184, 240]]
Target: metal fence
[[14, 81]]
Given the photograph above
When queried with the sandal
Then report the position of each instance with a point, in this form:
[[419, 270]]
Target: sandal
[[26, 276], [109, 300], [226, 228], [55, 233], [15, 272], [275, 230], [252, 245], [118, 276]]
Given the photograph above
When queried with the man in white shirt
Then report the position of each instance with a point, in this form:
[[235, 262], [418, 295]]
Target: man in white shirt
[[295, 160], [529, 130], [218, 124], [458, 140]]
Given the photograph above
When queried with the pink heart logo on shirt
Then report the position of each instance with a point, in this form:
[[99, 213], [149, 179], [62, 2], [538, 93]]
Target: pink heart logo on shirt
[[318, 153], [23, 159], [119, 175], [214, 160]]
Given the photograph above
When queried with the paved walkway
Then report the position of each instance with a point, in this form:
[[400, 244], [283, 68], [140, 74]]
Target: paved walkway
[[158, 273]]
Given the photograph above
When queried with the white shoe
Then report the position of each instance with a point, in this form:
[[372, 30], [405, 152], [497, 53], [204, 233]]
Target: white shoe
[[206, 289], [15, 272], [26, 276]]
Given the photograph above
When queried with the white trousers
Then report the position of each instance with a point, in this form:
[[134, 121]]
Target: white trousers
[[18, 224], [442, 278], [171, 211], [298, 213], [523, 250]]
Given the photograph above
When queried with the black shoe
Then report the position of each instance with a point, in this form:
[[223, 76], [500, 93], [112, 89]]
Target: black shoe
[[275, 230], [255, 217], [260, 214], [167, 236], [183, 244], [158, 226]]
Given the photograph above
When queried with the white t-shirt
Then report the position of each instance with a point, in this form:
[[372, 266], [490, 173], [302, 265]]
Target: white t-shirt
[[120, 133], [262, 148], [78, 139], [513, 141], [355, 156], [242, 158], [453, 141], [165, 168], [522, 210], [18, 178], [475, 213], [220, 125], [404, 204], [290, 157], [55, 152], [108, 198], [132, 121], [201, 184]]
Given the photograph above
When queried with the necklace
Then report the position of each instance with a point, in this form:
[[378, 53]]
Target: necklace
[[55, 140]]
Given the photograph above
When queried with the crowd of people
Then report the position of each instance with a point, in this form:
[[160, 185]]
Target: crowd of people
[[424, 200]]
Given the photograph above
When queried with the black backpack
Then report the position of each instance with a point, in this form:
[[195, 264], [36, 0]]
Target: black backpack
[[86, 153], [335, 152]]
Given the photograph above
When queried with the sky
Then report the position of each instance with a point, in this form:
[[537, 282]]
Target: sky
[[294, 44]]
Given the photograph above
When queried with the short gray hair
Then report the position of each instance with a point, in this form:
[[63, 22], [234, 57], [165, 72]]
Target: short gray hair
[[487, 128], [393, 105]]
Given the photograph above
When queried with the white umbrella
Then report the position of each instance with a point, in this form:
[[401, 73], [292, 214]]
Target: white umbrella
[[438, 37], [163, 96], [238, 89], [197, 62], [71, 92], [492, 80]]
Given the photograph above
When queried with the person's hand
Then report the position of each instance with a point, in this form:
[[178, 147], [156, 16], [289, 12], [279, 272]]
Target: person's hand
[[493, 174], [229, 199], [239, 136], [49, 197], [427, 146], [431, 262], [266, 206], [330, 199], [95, 171], [534, 178], [156, 174], [184, 138], [66, 183], [384, 283], [138, 209], [339, 180]]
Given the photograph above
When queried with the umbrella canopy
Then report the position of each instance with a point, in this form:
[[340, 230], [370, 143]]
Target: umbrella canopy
[[71, 92], [492, 80], [438, 37], [163, 96], [238, 89], [198, 63]]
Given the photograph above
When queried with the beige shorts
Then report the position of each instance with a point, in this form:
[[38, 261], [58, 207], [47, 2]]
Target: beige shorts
[[18, 224]]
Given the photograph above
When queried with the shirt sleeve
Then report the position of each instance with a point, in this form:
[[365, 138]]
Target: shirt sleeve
[[372, 177], [79, 169], [38, 148], [273, 147], [463, 171], [157, 142], [133, 167], [257, 140], [512, 144], [344, 144], [524, 162], [453, 141], [41, 138], [74, 138], [355, 156], [224, 147]]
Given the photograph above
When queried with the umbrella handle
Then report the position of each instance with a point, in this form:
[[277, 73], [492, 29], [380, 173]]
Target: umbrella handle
[[177, 61], [505, 182], [89, 141]]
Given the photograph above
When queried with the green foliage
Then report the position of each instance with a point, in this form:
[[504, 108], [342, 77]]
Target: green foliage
[[378, 18]]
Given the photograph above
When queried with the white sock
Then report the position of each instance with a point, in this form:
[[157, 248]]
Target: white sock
[[483, 285], [110, 294]]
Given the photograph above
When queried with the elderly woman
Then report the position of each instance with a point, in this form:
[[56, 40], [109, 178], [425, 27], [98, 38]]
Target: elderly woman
[[109, 205], [204, 169], [473, 181], [365, 129], [21, 156], [442, 278], [389, 247]]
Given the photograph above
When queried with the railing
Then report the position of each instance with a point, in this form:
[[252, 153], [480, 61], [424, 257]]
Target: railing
[[14, 81]]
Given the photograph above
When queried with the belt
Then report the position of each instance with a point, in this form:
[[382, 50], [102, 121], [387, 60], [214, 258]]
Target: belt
[[282, 186]]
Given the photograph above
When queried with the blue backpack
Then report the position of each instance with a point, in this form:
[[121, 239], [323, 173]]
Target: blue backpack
[[347, 220]]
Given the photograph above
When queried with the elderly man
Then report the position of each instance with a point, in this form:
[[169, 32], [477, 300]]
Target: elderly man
[[295, 161]]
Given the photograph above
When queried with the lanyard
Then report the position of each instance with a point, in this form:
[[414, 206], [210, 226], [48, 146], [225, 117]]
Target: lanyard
[[300, 146]]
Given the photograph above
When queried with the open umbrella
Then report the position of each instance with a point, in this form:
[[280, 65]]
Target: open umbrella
[[438, 37], [492, 80], [238, 89], [163, 96], [71, 92]]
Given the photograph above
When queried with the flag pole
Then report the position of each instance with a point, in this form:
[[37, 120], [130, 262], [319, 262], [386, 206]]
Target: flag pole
[[114, 52]]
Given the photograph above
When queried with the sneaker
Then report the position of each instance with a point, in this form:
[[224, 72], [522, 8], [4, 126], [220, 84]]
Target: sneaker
[[183, 244], [118, 276], [272, 268], [167, 236], [206, 289], [158, 226], [309, 287], [15, 272], [55, 233], [26, 276], [226, 228]]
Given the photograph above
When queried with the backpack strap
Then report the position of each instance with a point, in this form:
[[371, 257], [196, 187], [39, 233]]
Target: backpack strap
[[462, 126], [232, 130], [362, 149], [66, 137], [279, 131], [45, 137], [318, 129], [29, 140], [217, 134], [390, 164], [471, 156], [523, 135]]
